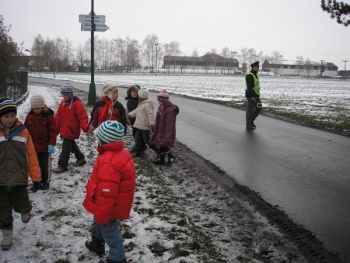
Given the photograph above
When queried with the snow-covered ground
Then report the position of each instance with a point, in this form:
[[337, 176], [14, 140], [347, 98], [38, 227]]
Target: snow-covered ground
[[178, 214]]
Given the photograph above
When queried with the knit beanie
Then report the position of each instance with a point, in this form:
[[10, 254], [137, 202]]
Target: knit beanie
[[110, 131], [108, 89], [37, 101], [67, 90], [7, 106], [143, 94], [163, 96]]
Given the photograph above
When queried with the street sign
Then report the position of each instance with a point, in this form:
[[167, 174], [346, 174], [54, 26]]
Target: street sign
[[98, 27], [87, 18]]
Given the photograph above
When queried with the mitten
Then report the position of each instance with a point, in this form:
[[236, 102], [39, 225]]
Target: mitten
[[36, 186], [51, 149]]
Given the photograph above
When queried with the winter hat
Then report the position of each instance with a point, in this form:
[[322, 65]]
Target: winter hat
[[7, 106], [108, 89], [37, 101], [67, 89], [143, 94], [255, 64], [110, 131], [163, 96]]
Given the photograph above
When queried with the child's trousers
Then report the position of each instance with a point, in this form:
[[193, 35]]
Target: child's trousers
[[15, 198], [111, 235]]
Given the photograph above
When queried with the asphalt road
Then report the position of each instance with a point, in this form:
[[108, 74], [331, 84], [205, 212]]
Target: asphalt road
[[303, 170]]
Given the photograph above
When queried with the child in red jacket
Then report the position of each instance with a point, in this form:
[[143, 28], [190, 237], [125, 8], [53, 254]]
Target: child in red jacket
[[71, 117], [110, 192], [41, 125]]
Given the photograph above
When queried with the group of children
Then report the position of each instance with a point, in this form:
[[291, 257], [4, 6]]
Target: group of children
[[110, 189]]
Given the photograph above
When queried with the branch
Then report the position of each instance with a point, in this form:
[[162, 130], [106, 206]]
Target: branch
[[337, 10]]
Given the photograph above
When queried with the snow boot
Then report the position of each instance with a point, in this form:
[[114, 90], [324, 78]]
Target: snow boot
[[25, 217], [138, 152], [80, 162], [7, 237], [107, 260], [96, 245], [161, 161], [171, 159]]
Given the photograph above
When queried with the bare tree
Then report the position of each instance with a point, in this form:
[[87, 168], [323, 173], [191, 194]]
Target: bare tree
[[276, 60], [300, 65], [308, 66], [338, 11], [132, 54], [149, 52]]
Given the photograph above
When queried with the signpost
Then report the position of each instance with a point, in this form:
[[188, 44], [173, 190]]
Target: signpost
[[92, 23], [97, 27]]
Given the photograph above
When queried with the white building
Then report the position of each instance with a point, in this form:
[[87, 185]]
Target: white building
[[305, 68]]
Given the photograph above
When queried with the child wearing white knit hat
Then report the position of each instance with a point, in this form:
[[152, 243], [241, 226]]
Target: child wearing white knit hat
[[41, 125]]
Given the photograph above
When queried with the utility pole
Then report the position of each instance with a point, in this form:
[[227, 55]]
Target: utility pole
[[156, 58], [92, 88], [345, 63]]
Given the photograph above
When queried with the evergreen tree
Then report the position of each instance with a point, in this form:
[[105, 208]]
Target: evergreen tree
[[8, 48], [338, 11]]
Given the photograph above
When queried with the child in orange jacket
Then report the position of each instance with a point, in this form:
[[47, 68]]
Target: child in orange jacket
[[17, 160]]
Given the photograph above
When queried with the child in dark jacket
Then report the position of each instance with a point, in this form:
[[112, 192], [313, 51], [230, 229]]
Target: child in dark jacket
[[17, 161], [132, 101], [110, 192], [41, 125]]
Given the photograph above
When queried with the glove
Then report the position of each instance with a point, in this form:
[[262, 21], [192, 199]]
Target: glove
[[36, 186], [51, 149]]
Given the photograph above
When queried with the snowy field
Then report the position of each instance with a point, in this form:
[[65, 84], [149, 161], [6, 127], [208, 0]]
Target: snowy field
[[178, 215], [308, 96]]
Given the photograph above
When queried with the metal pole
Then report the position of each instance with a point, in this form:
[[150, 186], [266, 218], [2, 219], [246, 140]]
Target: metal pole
[[92, 88], [156, 58]]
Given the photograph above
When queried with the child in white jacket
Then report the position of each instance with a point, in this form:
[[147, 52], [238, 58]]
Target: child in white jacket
[[144, 122]]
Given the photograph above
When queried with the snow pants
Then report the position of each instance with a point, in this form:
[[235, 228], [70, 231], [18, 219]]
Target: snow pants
[[15, 198]]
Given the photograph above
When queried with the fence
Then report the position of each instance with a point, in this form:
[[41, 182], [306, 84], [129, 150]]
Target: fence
[[14, 85]]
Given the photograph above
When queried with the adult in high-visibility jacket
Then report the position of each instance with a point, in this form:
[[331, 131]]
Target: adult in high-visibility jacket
[[252, 94]]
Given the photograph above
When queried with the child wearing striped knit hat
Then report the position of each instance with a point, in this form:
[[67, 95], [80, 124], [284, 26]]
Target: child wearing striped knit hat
[[110, 191]]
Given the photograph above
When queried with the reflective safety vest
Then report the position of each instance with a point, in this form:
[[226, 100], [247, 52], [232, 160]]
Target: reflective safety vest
[[256, 87]]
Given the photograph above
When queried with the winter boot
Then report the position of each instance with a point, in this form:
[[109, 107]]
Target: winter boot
[[96, 245], [138, 152], [59, 170], [45, 186], [7, 237], [25, 217], [80, 162], [107, 260], [161, 161], [171, 159]]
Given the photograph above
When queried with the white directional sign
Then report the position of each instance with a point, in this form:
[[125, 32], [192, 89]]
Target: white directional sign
[[87, 18], [98, 24], [98, 27]]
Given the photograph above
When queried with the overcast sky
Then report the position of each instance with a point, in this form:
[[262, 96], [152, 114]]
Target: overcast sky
[[292, 27]]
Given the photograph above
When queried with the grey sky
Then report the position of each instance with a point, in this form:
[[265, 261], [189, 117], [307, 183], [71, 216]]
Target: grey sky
[[292, 27]]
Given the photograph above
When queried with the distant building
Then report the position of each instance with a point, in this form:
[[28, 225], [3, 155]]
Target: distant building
[[209, 63], [307, 69], [344, 74]]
